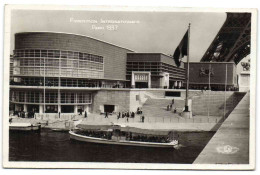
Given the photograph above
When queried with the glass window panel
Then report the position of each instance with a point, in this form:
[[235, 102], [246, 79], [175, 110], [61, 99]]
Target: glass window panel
[[56, 54], [64, 54], [43, 53]]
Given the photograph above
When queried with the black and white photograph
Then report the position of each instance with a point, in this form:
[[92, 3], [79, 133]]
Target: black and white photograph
[[129, 88]]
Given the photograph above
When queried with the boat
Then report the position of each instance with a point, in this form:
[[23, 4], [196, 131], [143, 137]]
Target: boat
[[123, 135], [24, 127]]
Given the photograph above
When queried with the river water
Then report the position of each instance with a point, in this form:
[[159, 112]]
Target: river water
[[57, 146]]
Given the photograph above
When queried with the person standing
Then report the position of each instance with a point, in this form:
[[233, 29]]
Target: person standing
[[86, 114], [106, 115], [142, 119], [59, 114], [173, 101], [80, 111]]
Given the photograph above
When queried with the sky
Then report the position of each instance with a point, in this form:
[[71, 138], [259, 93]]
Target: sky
[[156, 31]]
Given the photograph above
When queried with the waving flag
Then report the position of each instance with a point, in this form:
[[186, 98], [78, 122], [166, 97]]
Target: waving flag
[[181, 50]]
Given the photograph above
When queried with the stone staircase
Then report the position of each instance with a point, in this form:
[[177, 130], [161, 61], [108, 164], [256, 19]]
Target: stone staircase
[[157, 107]]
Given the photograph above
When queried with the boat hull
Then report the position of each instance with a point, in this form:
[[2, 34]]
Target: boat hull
[[78, 137], [27, 128]]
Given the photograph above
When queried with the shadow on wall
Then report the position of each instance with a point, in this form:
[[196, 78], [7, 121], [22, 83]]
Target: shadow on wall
[[232, 102], [213, 102]]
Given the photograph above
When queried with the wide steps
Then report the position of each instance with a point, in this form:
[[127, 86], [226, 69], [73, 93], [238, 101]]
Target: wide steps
[[158, 107]]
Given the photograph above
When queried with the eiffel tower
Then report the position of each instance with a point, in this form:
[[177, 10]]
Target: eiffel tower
[[232, 43]]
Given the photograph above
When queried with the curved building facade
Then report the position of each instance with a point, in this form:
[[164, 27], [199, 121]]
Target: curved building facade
[[59, 72]]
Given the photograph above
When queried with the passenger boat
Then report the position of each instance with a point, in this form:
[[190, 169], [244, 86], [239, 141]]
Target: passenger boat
[[24, 127], [122, 135]]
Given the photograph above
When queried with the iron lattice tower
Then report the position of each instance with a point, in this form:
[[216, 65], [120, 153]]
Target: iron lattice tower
[[232, 43]]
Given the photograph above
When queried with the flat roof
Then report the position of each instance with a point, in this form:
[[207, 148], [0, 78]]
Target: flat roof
[[75, 35], [210, 62], [151, 53]]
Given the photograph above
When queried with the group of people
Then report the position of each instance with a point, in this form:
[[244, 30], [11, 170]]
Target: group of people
[[128, 136], [139, 111], [81, 113], [126, 114], [145, 138], [23, 114], [96, 133]]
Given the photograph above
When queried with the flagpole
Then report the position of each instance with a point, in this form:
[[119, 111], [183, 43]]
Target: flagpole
[[225, 94], [209, 89], [188, 71]]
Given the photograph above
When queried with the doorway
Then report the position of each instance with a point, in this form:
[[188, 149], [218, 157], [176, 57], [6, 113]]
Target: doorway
[[109, 108], [67, 109], [33, 108], [141, 84]]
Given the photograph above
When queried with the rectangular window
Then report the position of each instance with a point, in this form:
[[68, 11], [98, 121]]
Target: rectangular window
[[56, 54], [43, 53], [64, 54], [50, 53], [37, 53]]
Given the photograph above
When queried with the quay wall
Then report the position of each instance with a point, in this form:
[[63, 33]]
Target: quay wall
[[131, 99]]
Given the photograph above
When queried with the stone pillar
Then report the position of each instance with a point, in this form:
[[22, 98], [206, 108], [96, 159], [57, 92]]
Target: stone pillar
[[133, 80], [75, 109], [40, 109], [86, 108], [149, 80], [179, 84], [25, 108], [175, 84], [59, 108], [244, 81]]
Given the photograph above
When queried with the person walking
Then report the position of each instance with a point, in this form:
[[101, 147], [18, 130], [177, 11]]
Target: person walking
[[106, 115], [80, 111], [59, 114], [173, 101], [86, 114]]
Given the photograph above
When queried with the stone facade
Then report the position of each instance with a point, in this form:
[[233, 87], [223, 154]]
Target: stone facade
[[119, 98]]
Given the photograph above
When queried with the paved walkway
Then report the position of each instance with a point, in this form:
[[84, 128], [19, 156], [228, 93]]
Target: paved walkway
[[171, 122], [230, 144], [198, 123]]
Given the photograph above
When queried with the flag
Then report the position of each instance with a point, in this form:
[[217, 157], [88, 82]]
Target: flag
[[181, 50]]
